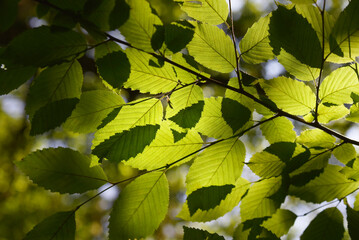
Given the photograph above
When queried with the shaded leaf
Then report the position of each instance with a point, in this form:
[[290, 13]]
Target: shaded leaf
[[62, 170], [58, 226], [326, 225], [97, 14], [93, 107], [8, 13], [177, 36], [44, 46], [126, 144], [114, 68], [199, 234], [140, 208], [235, 114], [119, 14], [212, 48], [188, 117], [353, 222]]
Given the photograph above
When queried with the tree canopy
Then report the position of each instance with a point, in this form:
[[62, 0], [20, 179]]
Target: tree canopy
[[177, 92]]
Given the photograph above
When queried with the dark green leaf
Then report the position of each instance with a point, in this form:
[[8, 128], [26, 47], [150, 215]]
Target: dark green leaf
[[98, 13], [158, 37], [114, 68], [111, 116], [119, 14], [59, 226], [43, 46], [199, 234], [327, 225], [62, 170], [8, 13], [353, 222], [178, 135], [188, 117], [69, 4], [235, 114], [126, 144], [290, 31], [177, 36], [207, 197], [52, 115]]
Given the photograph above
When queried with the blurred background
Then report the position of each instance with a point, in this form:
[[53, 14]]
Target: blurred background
[[23, 204]]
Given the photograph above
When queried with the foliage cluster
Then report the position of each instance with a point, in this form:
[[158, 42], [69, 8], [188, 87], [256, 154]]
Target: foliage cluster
[[172, 123]]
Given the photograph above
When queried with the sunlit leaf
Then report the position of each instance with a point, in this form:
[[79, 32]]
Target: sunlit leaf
[[140, 208], [327, 225], [41, 46], [126, 144], [188, 117], [254, 45], [345, 153], [93, 107], [194, 233], [327, 114], [338, 86], [210, 11], [217, 165], [242, 99], [278, 130], [316, 138], [290, 95], [354, 113], [212, 48], [140, 26], [58, 226], [62, 170], [280, 222], [329, 185]]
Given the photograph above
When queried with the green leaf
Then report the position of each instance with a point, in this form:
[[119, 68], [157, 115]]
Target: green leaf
[[69, 4], [140, 26], [353, 222], [242, 99], [52, 115], [207, 198], [106, 48], [258, 203], [212, 48], [290, 95], [178, 35], [290, 31], [97, 14], [326, 225], [13, 76], [235, 114], [226, 205], [209, 11], [164, 150], [126, 144], [316, 138], [114, 68], [53, 84], [327, 114], [137, 113], [62, 170], [279, 129], [254, 45], [93, 107], [217, 165], [338, 86], [188, 117], [354, 113], [119, 14], [280, 222], [331, 184], [8, 13], [345, 153], [140, 208], [296, 68], [45, 46], [211, 123], [265, 164], [345, 33], [194, 233], [147, 78], [59, 226]]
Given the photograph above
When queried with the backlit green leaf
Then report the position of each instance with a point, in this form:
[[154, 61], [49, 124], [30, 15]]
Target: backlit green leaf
[[354, 113], [58, 226], [93, 107], [280, 222], [327, 114], [290, 95], [212, 48], [62, 170], [194, 233], [209, 11], [329, 185], [217, 165], [338, 86], [140, 208], [42, 46], [316, 138], [254, 45], [140, 26], [114, 68], [327, 225], [279, 129], [188, 117], [126, 144], [345, 153]]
